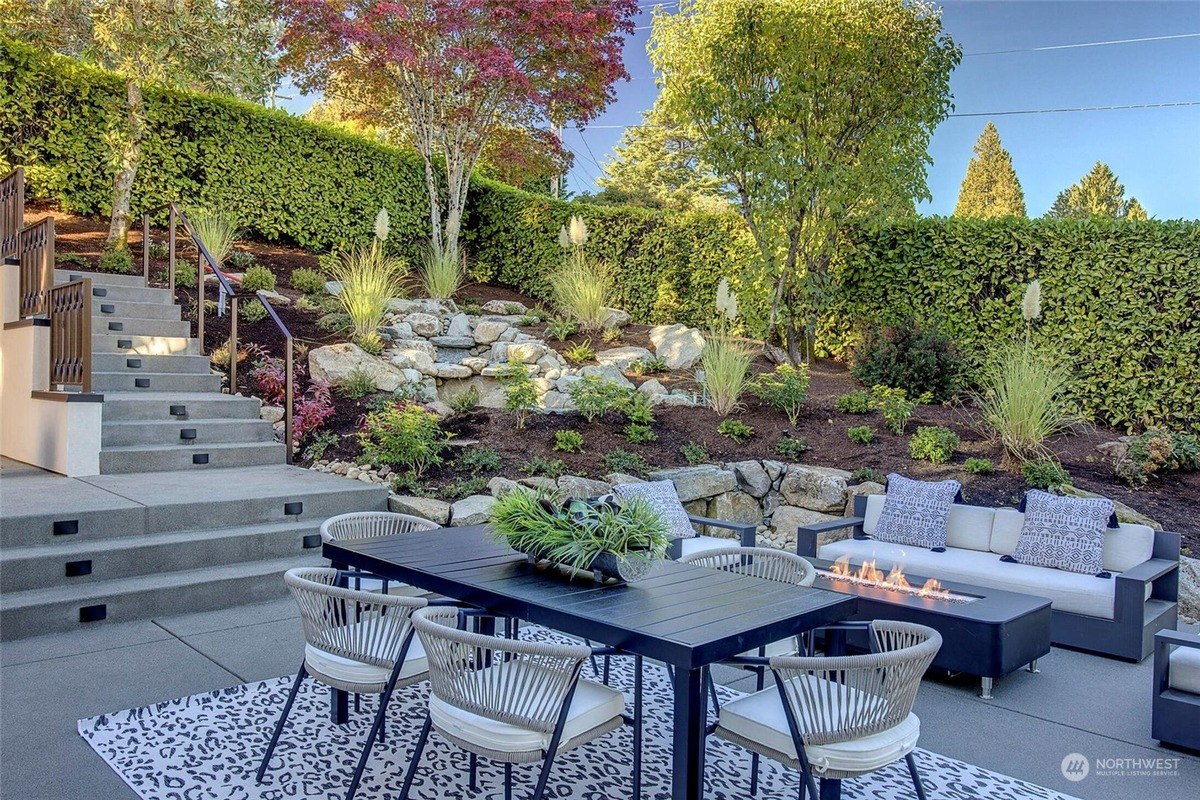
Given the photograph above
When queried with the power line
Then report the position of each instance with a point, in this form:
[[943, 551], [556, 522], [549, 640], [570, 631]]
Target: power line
[[1083, 44], [1178, 104]]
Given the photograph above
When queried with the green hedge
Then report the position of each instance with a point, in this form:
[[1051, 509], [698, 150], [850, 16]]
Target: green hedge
[[1121, 299]]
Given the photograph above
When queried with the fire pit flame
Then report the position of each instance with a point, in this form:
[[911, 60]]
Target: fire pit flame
[[894, 580]]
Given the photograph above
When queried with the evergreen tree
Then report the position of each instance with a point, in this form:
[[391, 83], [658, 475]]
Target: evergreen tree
[[1134, 210], [1098, 194], [990, 188]]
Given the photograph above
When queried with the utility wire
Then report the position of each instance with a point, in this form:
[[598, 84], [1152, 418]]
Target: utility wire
[[1083, 44]]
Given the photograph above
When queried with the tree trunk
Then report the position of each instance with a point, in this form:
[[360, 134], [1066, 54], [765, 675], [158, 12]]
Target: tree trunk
[[129, 156]]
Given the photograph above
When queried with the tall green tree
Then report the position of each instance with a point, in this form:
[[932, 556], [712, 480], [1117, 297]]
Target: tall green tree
[[657, 160], [990, 188], [213, 45], [817, 114], [1098, 194]]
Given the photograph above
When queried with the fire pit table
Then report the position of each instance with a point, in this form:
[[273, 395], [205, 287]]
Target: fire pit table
[[985, 632]]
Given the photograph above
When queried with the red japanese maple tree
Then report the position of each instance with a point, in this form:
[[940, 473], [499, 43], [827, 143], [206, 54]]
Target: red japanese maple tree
[[455, 72]]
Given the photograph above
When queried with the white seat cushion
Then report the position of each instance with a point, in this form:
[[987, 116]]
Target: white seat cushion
[[351, 671], [1067, 591], [1184, 670], [969, 527], [698, 544], [760, 717], [593, 704]]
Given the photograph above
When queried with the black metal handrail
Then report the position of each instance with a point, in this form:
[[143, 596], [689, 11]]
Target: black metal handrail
[[289, 391]]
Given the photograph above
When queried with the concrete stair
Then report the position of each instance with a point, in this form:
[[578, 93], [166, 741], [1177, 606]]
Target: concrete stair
[[194, 509]]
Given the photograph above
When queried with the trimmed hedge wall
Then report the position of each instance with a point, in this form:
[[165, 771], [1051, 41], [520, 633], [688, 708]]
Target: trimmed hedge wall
[[1121, 299]]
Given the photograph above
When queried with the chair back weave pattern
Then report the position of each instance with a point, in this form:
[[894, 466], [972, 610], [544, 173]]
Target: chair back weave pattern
[[758, 562], [369, 524]]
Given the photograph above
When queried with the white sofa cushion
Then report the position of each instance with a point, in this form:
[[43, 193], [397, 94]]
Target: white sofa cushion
[[352, 671], [760, 717], [1184, 670], [1125, 546], [698, 544], [1065, 533], [593, 704], [1006, 530], [915, 512], [1067, 591], [662, 497]]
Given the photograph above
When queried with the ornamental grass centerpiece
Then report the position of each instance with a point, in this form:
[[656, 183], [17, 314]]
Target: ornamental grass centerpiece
[[596, 536]]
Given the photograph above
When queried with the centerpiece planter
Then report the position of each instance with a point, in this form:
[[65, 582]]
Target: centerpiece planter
[[596, 538]]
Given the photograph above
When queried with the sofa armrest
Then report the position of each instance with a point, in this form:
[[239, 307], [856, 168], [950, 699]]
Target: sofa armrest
[[806, 535], [745, 530], [1149, 570], [1164, 643], [1130, 592]]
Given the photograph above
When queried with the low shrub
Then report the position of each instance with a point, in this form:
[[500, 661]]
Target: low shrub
[[357, 384], [618, 460], [648, 366], [1044, 473], [1157, 451], [725, 362], [471, 306], [464, 401], [560, 328], [308, 281], [540, 466], [636, 433], [580, 353], [479, 459], [252, 311], [405, 436], [319, 444], [268, 375], [116, 261], [786, 389], [791, 446], [185, 275], [520, 391], [568, 441], [372, 344], [71, 259], [442, 273], [933, 443], [337, 322], [694, 453], [735, 429], [459, 489], [594, 396], [978, 466], [911, 356], [864, 474], [612, 335], [312, 411], [239, 259], [857, 402], [529, 319], [861, 434], [636, 407], [896, 406]]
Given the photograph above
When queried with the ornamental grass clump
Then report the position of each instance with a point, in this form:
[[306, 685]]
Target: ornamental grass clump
[[580, 287], [1022, 391], [443, 272], [217, 230], [369, 278], [725, 359]]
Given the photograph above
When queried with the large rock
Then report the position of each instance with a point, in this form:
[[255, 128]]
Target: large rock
[[471, 510], [678, 345], [424, 507], [697, 483], [525, 352], [503, 307], [451, 371], [864, 488], [459, 325], [415, 354], [423, 324], [576, 486], [735, 507], [622, 357], [452, 342], [751, 477], [652, 388], [1189, 588], [333, 362], [556, 402], [815, 488], [617, 478], [400, 330], [616, 318], [332, 287], [489, 330], [607, 372], [787, 519], [491, 393], [499, 486], [437, 308]]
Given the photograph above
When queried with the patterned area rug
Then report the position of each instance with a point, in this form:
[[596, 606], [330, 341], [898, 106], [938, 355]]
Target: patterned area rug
[[209, 745]]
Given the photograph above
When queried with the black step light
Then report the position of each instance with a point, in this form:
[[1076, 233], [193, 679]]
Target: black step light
[[74, 276], [312, 541], [99, 292], [187, 434], [178, 411], [200, 458], [76, 568], [116, 326], [141, 383], [108, 308], [133, 363], [93, 613], [293, 509], [66, 527], [124, 344]]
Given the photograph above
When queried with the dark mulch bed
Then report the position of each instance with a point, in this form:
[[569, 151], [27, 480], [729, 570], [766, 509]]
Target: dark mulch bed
[[1171, 499]]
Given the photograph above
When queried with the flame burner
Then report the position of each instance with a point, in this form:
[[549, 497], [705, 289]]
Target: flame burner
[[869, 575]]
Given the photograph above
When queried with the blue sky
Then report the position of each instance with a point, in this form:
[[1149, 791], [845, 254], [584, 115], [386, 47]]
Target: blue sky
[[1155, 152]]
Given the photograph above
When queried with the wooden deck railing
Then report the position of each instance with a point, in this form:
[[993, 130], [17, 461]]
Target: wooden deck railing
[[35, 246], [70, 308], [12, 211]]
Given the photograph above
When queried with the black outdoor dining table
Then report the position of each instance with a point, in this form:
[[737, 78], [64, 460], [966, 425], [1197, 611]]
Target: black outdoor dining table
[[683, 615]]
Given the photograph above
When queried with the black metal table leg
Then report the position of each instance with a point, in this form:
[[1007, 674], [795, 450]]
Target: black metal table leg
[[339, 707], [687, 777], [831, 789]]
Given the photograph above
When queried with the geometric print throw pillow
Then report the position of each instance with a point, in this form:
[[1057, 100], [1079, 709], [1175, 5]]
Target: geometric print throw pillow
[[662, 497], [1066, 533], [915, 512]]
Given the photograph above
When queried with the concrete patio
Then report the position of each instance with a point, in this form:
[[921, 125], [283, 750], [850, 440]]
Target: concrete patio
[[1077, 704]]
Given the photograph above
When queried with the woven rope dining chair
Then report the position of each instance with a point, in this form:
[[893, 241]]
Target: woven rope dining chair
[[511, 700], [368, 525], [355, 641], [842, 716]]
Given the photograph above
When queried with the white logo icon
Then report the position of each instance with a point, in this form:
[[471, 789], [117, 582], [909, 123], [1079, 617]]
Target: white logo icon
[[1075, 767]]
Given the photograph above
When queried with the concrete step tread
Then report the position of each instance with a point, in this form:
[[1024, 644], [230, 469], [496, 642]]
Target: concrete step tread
[[225, 484], [99, 278], [190, 422], [154, 448], [116, 587], [67, 549], [178, 397]]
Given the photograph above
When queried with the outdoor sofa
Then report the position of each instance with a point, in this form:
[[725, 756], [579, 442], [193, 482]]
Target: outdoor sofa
[[1114, 616], [1175, 718]]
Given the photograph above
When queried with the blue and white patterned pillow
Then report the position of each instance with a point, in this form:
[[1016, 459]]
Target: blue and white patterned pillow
[[1066, 533], [662, 497], [915, 512]]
